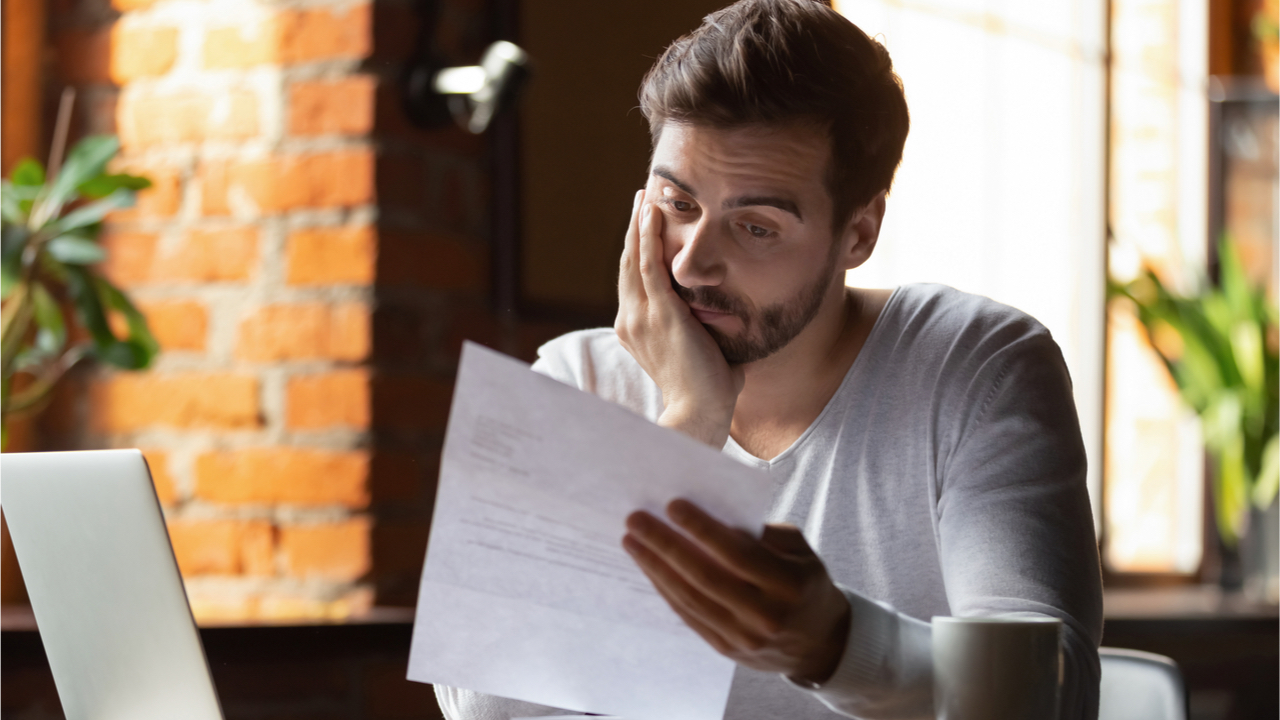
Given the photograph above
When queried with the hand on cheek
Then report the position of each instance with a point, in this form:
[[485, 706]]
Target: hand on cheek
[[699, 389], [768, 604]]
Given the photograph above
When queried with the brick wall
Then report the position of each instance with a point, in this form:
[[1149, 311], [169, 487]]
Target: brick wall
[[310, 265]]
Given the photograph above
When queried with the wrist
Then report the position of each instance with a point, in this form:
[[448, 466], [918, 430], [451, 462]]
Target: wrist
[[828, 655], [706, 426]]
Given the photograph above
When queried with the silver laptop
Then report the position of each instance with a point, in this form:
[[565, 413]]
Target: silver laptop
[[104, 586]]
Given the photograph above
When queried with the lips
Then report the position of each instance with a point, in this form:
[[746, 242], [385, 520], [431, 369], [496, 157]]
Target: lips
[[708, 316]]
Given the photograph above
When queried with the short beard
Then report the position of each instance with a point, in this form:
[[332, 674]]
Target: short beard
[[779, 324]]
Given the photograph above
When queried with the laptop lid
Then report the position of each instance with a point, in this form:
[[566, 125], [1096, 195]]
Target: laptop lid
[[104, 586]]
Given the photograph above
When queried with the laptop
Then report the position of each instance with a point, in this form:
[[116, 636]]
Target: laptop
[[104, 586]]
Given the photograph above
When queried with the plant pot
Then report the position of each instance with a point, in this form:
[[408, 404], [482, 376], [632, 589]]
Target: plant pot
[[1259, 552]]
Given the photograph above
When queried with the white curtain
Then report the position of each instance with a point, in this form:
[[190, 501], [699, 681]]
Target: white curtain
[[1001, 188]]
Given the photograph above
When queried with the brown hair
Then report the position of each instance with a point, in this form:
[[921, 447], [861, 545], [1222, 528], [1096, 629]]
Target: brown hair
[[779, 62]]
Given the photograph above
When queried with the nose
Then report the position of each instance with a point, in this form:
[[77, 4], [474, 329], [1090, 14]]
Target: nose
[[698, 261]]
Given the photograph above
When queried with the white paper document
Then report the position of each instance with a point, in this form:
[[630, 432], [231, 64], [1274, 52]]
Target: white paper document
[[527, 592]]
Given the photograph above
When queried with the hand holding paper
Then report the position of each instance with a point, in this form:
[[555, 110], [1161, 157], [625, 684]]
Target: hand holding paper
[[527, 592], [766, 603]]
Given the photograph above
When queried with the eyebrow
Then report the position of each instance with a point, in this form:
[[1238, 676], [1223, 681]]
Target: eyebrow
[[746, 201]]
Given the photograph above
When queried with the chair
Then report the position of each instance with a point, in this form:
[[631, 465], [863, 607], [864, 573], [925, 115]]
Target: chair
[[1140, 685]]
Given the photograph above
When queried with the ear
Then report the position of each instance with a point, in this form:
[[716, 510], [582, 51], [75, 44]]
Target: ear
[[861, 232]]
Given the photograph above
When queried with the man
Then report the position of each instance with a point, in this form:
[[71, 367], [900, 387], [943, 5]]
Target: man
[[924, 442]]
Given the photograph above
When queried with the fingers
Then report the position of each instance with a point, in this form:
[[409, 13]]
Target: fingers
[[653, 266], [689, 573], [630, 286], [714, 622], [746, 556], [787, 539]]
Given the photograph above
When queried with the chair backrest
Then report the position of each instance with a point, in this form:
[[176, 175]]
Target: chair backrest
[[1140, 685]]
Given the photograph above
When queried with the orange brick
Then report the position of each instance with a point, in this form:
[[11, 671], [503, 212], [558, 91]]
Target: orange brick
[[276, 184], [332, 399], [131, 401], [84, 56], [258, 549], [233, 47], [226, 254], [214, 182], [233, 115], [298, 476], [331, 551], [290, 37], [314, 330], [283, 605], [322, 34], [222, 547], [331, 256], [142, 52], [130, 256], [430, 260], [220, 255], [336, 179], [340, 107], [162, 199], [350, 332], [147, 120], [177, 324], [158, 463]]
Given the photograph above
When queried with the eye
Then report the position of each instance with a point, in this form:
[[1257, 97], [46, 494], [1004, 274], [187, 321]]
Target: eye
[[681, 205], [757, 231]]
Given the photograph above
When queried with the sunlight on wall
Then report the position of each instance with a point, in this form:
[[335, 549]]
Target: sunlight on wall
[[1001, 187], [1159, 179]]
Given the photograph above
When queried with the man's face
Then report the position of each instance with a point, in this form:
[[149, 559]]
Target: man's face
[[746, 230]]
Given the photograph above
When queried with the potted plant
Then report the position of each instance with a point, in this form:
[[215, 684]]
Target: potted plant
[[1220, 345], [56, 305]]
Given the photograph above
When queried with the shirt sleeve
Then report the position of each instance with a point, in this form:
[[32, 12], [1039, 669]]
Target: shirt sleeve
[[1015, 538], [887, 668]]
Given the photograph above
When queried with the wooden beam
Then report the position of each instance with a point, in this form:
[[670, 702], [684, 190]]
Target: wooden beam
[[21, 86]]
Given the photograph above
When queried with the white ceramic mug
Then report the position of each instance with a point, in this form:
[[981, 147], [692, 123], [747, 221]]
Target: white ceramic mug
[[996, 668]]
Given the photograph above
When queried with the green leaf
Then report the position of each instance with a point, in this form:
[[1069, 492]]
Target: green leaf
[[1268, 482], [92, 213], [87, 160], [1236, 291], [1232, 495], [104, 185], [1221, 420], [28, 172], [49, 318], [1246, 346], [10, 207], [136, 351], [15, 202], [89, 308], [13, 240], [91, 296], [75, 250]]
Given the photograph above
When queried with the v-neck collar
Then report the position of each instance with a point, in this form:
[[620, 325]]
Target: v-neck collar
[[732, 448]]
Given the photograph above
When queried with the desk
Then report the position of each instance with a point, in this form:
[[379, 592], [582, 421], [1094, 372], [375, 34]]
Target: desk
[[1228, 648], [1229, 651], [350, 670]]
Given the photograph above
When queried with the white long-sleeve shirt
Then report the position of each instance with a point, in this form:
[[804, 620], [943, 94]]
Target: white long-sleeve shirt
[[946, 476]]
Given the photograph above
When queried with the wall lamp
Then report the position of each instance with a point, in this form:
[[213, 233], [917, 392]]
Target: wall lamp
[[469, 95]]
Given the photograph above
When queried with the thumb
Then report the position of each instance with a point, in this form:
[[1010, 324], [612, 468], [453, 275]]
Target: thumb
[[786, 538]]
